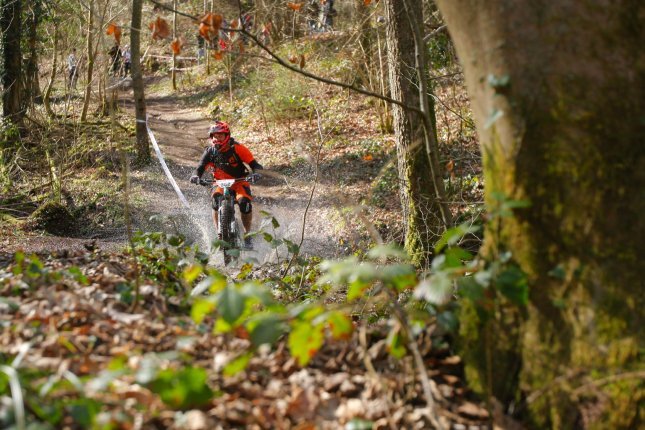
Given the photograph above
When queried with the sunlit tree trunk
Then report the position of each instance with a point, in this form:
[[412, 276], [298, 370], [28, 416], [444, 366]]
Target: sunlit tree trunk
[[143, 145], [421, 212], [52, 76], [90, 60], [12, 61], [557, 94], [32, 85], [174, 37]]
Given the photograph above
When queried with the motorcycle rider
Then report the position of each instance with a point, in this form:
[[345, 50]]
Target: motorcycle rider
[[229, 160]]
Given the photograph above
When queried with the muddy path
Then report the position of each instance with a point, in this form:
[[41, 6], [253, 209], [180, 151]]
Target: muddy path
[[181, 132], [181, 128]]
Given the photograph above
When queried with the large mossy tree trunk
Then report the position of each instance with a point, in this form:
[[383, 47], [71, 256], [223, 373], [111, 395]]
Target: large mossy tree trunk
[[421, 213], [557, 94], [143, 145], [10, 21]]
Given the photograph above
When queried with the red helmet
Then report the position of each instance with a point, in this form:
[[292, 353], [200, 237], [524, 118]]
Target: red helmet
[[220, 127]]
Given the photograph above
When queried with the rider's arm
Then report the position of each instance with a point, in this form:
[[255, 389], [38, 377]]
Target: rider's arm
[[255, 165], [246, 156], [203, 163]]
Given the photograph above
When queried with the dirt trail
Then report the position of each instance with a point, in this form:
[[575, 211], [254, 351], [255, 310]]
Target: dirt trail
[[181, 130], [181, 133]]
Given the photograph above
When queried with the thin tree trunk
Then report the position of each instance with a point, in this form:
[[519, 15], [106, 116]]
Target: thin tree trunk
[[32, 86], [52, 76], [174, 37], [11, 29], [90, 60], [557, 96], [143, 145]]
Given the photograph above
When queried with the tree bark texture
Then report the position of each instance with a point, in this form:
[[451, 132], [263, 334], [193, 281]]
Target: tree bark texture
[[32, 85], [421, 213], [90, 61], [143, 145], [557, 94], [12, 61], [52, 75]]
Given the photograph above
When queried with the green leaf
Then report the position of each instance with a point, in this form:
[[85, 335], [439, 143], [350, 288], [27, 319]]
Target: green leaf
[[84, 411], [230, 304], [448, 320], [274, 222], [357, 289], [455, 257], [222, 326], [340, 324], [182, 389], [257, 291], [305, 340], [394, 343], [174, 240], [236, 366], [387, 251], [200, 309], [513, 284], [470, 289], [401, 276], [267, 237], [452, 236], [266, 329], [191, 273], [78, 276], [359, 424], [435, 289], [245, 270]]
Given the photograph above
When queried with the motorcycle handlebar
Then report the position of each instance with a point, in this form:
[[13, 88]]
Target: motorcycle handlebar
[[251, 178]]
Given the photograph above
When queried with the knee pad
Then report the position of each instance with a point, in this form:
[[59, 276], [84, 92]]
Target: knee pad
[[245, 205], [217, 199]]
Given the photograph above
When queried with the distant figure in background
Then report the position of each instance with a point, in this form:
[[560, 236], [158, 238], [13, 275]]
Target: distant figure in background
[[72, 68], [201, 49], [327, 12], [127, 60], [312, 11], [115, 56]]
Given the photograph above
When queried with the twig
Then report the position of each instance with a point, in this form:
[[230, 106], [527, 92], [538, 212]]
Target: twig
[[362, 337], [430, 390], [311, 194]]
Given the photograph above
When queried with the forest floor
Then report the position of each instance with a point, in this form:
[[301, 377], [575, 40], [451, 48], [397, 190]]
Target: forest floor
[[81, 324]]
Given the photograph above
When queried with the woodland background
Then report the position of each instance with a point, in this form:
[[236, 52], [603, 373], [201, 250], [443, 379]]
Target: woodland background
[[450, 225]]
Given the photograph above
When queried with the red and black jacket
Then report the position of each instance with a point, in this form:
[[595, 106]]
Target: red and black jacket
[[229, 164]]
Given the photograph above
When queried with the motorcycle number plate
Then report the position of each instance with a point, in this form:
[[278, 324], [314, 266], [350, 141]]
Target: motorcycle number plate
[[226, 182]]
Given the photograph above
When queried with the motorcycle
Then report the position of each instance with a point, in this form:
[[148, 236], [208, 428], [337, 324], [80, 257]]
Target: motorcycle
[[229, 233]]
